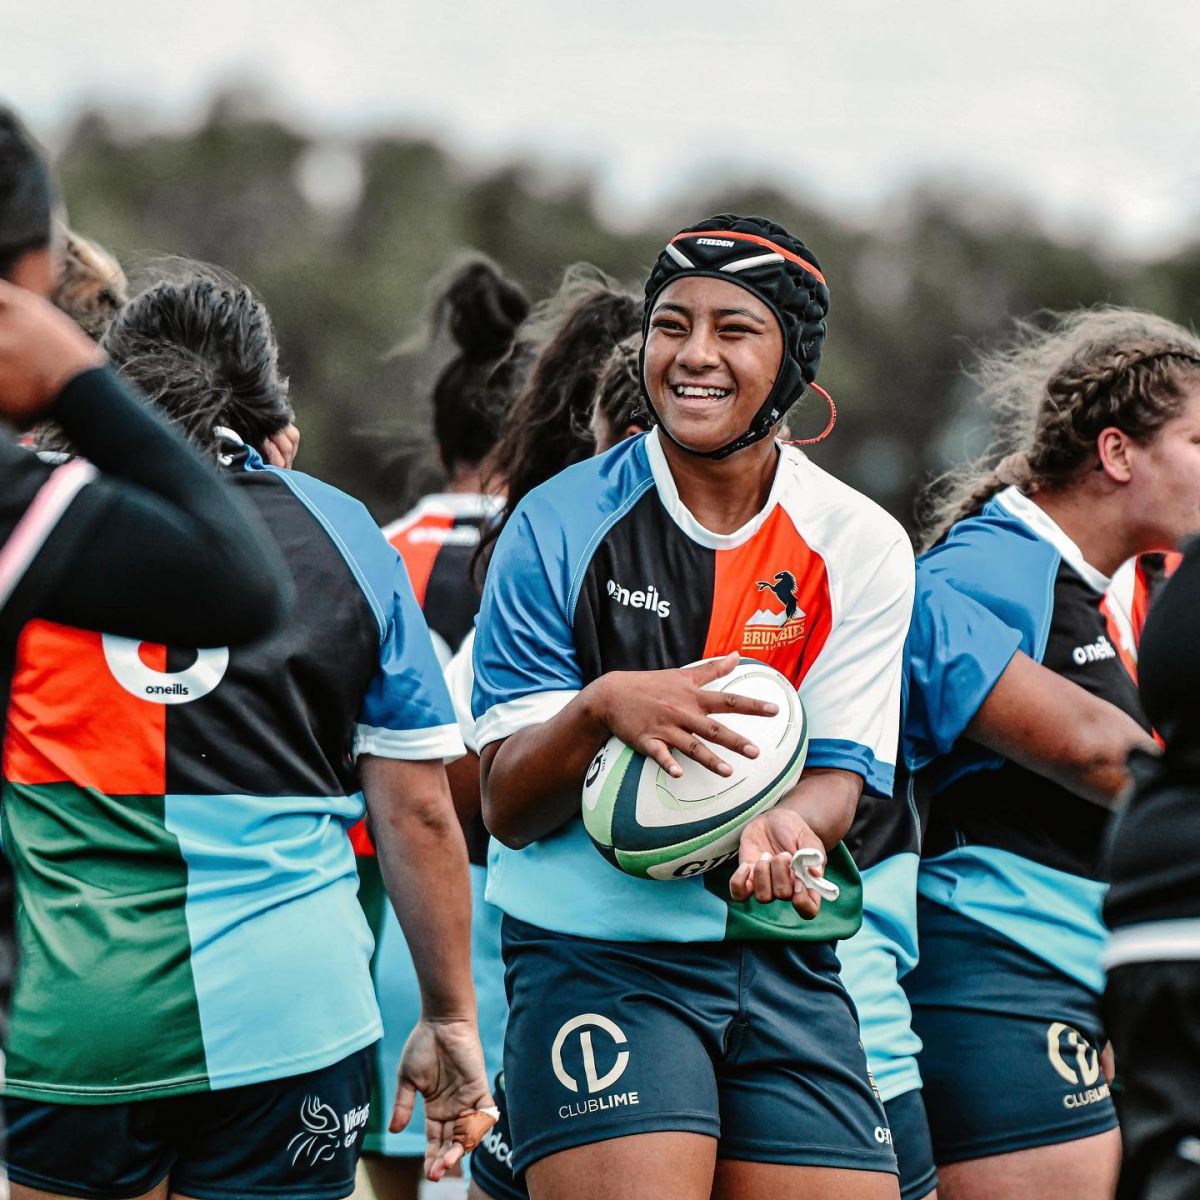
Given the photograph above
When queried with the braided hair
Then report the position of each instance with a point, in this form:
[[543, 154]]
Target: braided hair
[[1055, 391]]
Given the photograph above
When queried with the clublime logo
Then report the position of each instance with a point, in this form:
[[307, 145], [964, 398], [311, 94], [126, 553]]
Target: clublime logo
[[647, 598]]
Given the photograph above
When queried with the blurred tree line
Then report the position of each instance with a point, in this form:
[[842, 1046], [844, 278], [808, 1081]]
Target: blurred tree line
[[343, 239]]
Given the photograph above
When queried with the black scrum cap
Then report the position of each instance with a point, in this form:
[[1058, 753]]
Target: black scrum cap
[[782, 272]]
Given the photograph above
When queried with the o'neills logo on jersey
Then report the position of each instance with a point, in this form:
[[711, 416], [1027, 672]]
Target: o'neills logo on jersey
[[1096, 651], [648, 597], [456, 535], [767, 628]]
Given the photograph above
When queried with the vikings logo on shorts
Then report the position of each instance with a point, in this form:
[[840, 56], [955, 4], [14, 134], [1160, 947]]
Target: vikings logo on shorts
[[320, 1138], [766, 628]]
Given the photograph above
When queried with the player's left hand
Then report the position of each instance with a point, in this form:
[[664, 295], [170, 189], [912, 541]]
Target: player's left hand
[[443, 1060], [765, 861]]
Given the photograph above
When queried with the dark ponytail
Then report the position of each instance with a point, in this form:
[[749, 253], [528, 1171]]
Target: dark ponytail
[[481, 310], [202, 347]]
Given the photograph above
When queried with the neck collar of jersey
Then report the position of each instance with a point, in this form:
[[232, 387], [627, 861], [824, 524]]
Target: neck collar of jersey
[[1016, 503], [664, 481]]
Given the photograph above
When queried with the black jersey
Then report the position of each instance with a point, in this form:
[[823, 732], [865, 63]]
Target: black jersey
[[1155, 851]]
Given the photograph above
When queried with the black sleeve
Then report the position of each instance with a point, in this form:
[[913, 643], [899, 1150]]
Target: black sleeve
[[159, 547], [1169, 656]]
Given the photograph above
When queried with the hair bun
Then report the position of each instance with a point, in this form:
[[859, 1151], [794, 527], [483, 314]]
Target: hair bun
[[482, 310]]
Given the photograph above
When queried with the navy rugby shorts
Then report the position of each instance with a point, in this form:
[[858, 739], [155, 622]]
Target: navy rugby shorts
[[914, 1151], [753, 1043], [1011, 1056], [287, 1139], [491, 1163]]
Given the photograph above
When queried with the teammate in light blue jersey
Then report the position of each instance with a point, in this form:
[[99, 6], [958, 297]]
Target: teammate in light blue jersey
[[1019, 717]]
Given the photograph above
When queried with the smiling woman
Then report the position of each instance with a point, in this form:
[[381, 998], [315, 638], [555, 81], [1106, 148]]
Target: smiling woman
[[713, 351], [725, 1059]]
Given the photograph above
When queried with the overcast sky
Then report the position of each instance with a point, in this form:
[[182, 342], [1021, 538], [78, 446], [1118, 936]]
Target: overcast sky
[[1089, 108]]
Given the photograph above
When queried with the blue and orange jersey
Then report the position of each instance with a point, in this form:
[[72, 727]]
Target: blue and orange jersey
[[603, 569], [177, 821]]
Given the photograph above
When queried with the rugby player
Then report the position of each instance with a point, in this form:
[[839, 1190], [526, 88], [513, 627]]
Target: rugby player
[[689, 1037], [482, 311], [1019, 717], [194, 1015], [1153, 909], [196, 564]]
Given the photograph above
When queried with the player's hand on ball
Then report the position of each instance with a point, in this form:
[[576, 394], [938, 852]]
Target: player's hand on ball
[[443, 1060], [658, 711], [765, 861]]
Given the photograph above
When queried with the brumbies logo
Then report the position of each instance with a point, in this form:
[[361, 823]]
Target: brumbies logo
[[767, 629]]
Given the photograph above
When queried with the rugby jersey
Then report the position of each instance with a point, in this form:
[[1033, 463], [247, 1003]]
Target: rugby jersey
[[1153, 903], [1005, 846], [33, 500], [1132, 590], [187, 911], [603, 569], [437, 541]]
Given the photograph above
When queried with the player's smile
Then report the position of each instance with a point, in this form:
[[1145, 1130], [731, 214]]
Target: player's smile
[[699, 398], [712, 353]]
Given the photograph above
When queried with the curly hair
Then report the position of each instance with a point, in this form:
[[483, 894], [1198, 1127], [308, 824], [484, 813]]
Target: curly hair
[[619, 402], [1054, 391], [91, 285], [549, 425]]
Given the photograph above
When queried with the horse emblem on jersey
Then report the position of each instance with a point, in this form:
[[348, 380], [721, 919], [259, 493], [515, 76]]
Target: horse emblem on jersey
[[767, 628]]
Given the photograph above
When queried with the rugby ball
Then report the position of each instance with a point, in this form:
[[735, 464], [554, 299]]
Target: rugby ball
[[655, 826]]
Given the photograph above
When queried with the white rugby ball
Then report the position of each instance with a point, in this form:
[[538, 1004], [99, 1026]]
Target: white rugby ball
[[653, 825]]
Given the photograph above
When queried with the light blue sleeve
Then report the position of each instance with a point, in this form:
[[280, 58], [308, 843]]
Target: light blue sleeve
[[956, 651], [406, 711], [526, 667]]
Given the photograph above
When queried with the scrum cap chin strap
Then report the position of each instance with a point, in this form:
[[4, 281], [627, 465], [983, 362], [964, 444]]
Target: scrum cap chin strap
[[783, 273]]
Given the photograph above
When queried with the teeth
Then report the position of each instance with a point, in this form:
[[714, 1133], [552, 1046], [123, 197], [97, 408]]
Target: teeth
[[700, 392]]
